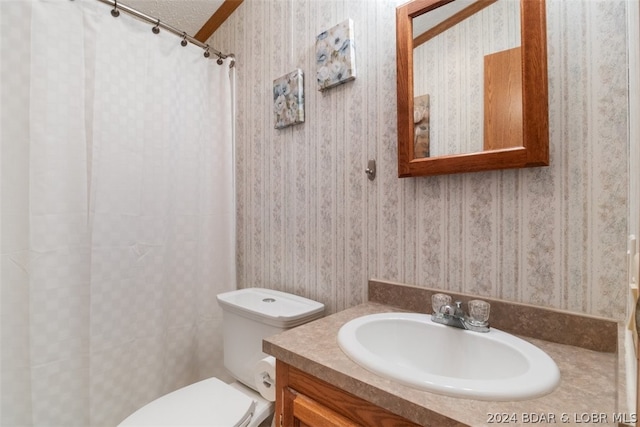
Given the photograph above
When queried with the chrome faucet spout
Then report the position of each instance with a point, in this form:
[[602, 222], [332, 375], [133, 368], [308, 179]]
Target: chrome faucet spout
[[454, 315], [452, 310]]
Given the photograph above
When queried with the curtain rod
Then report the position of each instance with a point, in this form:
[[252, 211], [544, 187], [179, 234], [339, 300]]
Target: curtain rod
[[118, 6]]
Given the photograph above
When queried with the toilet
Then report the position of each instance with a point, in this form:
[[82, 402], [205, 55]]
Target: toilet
[[249, 315]]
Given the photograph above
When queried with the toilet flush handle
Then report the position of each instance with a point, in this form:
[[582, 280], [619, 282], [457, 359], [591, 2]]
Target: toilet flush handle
[[267, 381]]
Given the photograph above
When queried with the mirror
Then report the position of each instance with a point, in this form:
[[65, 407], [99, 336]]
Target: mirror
[[506, 107], [451, 60]]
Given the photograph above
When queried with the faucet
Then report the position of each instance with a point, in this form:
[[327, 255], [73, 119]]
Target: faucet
[[454, 315]]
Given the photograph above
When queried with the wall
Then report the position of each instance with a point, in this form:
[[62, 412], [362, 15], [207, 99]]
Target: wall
[[310, 222]]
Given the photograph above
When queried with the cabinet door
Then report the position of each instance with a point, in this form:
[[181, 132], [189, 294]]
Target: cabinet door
[[306, 412], [306, 401]]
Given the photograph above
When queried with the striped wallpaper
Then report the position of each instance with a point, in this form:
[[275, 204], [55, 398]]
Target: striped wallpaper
[[310, 222]]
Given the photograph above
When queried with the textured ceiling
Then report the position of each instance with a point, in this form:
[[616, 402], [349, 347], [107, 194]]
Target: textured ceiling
[[185, 15]]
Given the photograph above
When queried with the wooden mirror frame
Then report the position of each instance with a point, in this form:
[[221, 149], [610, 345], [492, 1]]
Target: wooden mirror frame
[[535, 146]]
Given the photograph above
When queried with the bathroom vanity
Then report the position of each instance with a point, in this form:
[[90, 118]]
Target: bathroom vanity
[[317, 384], [309, 401]]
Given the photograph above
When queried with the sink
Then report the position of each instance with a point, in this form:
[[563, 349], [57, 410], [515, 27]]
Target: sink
[[411, 349]]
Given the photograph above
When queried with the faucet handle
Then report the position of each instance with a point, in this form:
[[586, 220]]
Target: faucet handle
[[438, 301], [479, 312]]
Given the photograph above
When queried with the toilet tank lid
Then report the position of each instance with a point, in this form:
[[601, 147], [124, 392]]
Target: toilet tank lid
[[280, 309]]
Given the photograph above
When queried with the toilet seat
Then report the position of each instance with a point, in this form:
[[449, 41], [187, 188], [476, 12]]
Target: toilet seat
[[210, 402]]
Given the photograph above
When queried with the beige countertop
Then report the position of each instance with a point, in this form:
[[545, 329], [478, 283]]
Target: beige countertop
[[587, 394]]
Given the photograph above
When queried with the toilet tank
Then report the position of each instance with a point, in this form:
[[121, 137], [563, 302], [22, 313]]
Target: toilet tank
[[251, 314]]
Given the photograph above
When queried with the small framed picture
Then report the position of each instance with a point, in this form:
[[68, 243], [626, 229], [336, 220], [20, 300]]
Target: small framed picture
[[421, 126], [288, 99], [335, 56]]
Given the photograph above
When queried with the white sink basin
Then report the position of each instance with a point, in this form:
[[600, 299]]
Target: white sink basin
[[413, 350]]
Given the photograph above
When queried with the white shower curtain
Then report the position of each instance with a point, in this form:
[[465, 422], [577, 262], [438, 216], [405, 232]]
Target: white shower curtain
[[117, 213]]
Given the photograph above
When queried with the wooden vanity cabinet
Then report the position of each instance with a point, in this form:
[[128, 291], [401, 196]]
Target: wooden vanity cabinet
[[303, 400]]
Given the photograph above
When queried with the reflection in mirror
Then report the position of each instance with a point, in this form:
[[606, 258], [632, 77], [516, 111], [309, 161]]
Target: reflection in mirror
[[473, 94], [449, 69]]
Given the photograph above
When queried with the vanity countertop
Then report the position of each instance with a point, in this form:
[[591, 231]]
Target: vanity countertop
[[587, 394]]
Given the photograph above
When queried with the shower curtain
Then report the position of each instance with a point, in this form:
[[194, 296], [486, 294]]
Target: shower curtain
[[117, 213]]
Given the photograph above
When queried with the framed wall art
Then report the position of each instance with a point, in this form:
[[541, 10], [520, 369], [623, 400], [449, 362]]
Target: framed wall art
[[421, 138], [335, 56], [288, 99]]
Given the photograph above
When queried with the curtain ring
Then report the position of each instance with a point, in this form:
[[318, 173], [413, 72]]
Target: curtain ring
[[206, 52], [220, 61], [115, 12], [156, 29], [184, 39]]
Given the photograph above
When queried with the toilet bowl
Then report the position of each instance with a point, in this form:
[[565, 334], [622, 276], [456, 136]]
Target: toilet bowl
[[249, 315]]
